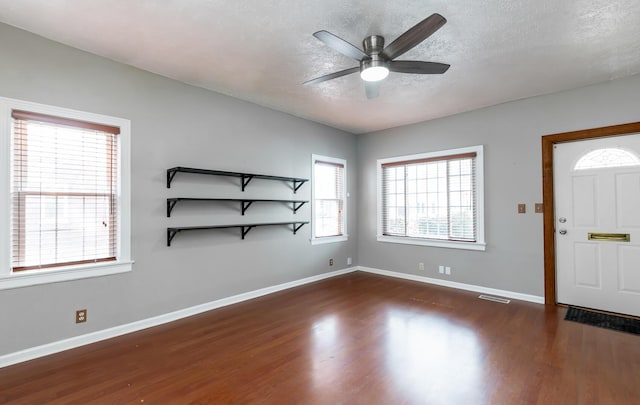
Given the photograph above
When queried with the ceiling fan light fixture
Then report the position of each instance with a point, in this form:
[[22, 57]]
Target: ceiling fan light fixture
[[374, 73], [374, 69]]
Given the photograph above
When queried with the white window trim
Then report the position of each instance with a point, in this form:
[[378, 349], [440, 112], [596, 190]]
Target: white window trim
[[479, 244], [123, 261], [328, 239]]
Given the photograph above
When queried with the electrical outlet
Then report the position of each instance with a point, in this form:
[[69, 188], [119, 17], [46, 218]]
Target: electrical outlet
[[441, 269], [330, 262], [447, 271], [81, 315], [522, 208], [420, 266], [348, 261]]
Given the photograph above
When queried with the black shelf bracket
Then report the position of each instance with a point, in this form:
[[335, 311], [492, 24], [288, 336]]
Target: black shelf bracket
[[296, 227], [171, 202], [171, 233], [246, 229], [246, 178], [245, 204], [297, 184], [297, 206], [171, 173]]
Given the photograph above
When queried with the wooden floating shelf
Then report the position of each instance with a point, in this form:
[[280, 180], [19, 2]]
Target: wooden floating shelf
[[244, 202], [246, 177], [172, 232]]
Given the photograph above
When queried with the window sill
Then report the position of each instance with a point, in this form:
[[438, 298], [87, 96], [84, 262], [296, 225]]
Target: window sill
[[433, 242], [332, 239], [36, 277]]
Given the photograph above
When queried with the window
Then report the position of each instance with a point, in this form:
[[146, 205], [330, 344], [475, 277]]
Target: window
[[433, 199], [69, 211], [329, 199]]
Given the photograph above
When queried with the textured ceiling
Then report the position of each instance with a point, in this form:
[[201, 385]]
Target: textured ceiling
[[262, 51]]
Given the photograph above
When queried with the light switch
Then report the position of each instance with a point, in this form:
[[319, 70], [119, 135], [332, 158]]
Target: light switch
[[539, 208], [522, 208]]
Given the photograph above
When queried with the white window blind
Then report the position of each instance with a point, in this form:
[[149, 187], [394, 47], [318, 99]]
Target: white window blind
[[64, 191], [328, 199], [432, 198]]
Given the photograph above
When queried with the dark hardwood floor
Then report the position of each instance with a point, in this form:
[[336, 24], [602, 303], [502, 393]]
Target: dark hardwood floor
[[354, 339]]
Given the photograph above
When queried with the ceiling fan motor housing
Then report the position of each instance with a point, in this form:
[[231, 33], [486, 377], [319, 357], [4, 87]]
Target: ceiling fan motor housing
[[373, 44], [373, 47]]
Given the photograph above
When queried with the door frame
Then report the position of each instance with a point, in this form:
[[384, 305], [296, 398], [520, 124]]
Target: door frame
[[548, 211]]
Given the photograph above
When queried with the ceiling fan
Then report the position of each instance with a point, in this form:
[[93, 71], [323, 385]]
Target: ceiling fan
[[376, 61]]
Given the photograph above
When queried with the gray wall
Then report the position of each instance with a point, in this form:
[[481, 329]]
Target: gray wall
[[511, 134], [173, 124]]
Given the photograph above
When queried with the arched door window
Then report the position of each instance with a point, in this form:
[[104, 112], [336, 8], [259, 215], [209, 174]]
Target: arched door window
[[607, 157]]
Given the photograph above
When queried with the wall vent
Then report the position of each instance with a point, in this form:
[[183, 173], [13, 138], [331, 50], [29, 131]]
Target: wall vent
[[495, 299]]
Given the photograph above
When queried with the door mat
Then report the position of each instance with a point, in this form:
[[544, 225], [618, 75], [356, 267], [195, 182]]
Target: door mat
[[601, 320]]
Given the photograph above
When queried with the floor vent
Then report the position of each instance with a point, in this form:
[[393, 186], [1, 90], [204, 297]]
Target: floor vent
[[495, 299]]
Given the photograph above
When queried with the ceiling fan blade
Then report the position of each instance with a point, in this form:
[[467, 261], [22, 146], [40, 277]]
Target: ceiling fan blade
[[414, 35], [333, 75], [418, 67], [340, 45], [372, 89]]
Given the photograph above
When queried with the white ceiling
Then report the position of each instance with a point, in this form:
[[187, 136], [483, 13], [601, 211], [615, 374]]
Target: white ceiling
[[262, 51]]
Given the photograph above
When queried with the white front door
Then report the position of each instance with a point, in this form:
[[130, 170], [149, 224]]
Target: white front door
[[597, 223]]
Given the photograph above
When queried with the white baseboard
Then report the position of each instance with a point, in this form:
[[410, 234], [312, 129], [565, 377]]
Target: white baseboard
[[77, 341], [453, 284]]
